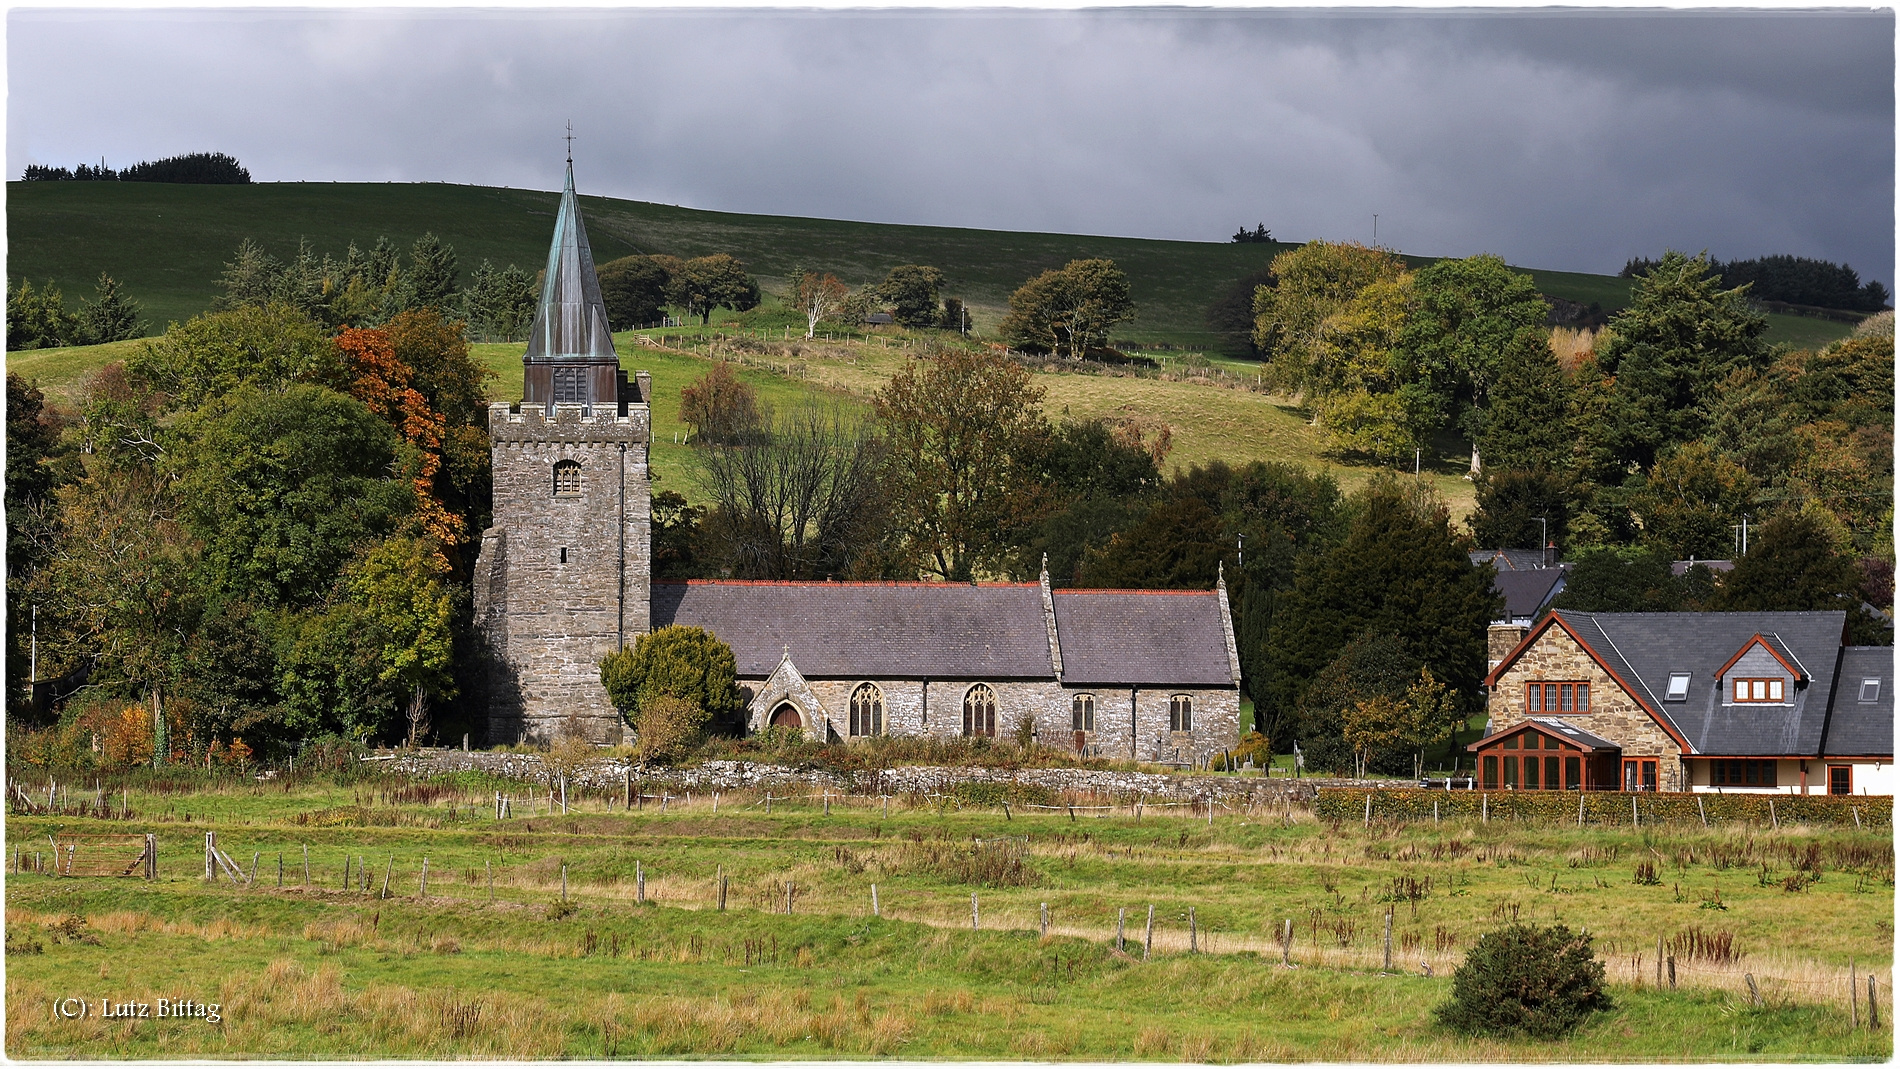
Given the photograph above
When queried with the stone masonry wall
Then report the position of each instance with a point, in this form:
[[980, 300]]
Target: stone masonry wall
[[1613, 714], [935, 708], [558, 594]]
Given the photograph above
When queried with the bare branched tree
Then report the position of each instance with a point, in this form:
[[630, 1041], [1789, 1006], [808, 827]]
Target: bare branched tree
[[796, 495]]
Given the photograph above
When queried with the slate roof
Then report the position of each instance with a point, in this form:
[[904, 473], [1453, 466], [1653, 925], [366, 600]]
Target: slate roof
[[1644, 648], [958, 631], [1859, 728], [868, 630], [1526, 593], [1509, 560], [1574, 733], [1142, 638], [570, 323]]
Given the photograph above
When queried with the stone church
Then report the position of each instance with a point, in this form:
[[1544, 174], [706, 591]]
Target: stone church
[[565, 578]]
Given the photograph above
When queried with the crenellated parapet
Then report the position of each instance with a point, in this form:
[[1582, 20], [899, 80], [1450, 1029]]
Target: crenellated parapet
[[568, 424]]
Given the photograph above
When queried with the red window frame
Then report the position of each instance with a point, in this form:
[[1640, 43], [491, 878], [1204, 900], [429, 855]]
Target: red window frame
[[1846, 774], [1742, 689], [1556, 696]]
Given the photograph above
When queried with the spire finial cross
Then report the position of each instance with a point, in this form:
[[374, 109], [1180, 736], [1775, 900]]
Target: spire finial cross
[[570, 141]]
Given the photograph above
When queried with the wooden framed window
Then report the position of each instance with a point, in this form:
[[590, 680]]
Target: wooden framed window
[[979, 711], [1542, 697], [1758, 690], [1738, 773], [1490, 772], [1510, 773], [567, 477], [1180, 713], [1082, 713], [867, 710], [1639, 775], [1840, 779], [1573, 773]]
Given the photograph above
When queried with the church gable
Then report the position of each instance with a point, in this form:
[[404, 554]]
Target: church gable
[[786, 700]]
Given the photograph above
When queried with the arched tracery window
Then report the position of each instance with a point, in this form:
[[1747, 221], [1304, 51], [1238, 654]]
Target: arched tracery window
[[867, 710], [979, 711], [567, 477]]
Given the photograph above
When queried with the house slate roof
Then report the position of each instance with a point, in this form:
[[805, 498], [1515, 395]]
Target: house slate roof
[[1509, 560], [1142, 638], [1860, 728], [1553, 725], [1644, 648], [868, 630], [1526, 593], [958, 631]]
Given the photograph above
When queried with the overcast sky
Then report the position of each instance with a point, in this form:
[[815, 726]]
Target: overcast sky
[[1569, 141]]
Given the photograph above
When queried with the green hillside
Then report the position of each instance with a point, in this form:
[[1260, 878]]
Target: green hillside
[[167, 244]]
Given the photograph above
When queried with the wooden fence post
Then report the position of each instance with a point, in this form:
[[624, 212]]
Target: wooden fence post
[[1579, 809], [1873, 1003], [1484, 801], [280, 872], [1701, 811], [387, 873], [306, 866], [1368, 809], [1194, 934], [788, 898], [1754, 993], [1635, 821], [1659, 962], [255, 855], [151, 857], [639, 884], [1853, 996], [1286, 944], [1121, 921], [973, 915], [488, 867], [1672, 972], [209, 839], [1388, 938], [563, 882], [874, 910], [1148, 940], [1045, 920], [1856, 813], [422, 890]]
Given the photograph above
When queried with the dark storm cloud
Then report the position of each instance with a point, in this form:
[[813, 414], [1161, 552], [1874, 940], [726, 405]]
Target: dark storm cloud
[[1563, 140]]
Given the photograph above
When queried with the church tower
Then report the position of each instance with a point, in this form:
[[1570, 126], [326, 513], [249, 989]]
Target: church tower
[[564, 574]]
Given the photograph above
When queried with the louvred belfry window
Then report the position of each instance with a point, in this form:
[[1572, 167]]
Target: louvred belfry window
[[570, 386], [567, 477]]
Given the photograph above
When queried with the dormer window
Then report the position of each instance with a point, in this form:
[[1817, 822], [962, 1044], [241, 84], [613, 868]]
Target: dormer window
[[1758, 690], [1869, 691], [1678, 687]]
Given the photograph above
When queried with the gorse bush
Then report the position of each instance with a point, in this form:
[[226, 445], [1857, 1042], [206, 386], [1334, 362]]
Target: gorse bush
[[1525, 980]]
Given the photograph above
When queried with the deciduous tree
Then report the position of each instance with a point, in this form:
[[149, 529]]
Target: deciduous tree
[[633, 289], [1464, 324], [1308, 285], [819, 297], [955, 427], [1070, 311], [913, 292], [704, 283]]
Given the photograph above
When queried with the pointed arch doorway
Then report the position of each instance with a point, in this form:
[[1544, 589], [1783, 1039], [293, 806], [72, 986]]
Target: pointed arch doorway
[[786, 716]]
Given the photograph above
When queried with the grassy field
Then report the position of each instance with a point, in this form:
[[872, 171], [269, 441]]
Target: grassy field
[[336, 970], [167, 245]]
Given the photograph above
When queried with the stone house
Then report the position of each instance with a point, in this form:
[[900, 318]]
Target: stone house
[[1748, 701], [564, 578]]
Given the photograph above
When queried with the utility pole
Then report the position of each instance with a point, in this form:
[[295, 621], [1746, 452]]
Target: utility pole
[[1375, 230]]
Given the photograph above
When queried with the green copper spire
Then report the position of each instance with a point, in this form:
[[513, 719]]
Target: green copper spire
[[571, 321]]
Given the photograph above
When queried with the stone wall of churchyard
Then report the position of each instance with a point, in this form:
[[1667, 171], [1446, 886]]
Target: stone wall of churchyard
[[1614, 715], [610, 774], [935, 708]]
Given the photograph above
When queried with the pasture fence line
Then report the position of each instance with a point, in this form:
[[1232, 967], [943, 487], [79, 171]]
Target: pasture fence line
[[1406, 805]]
